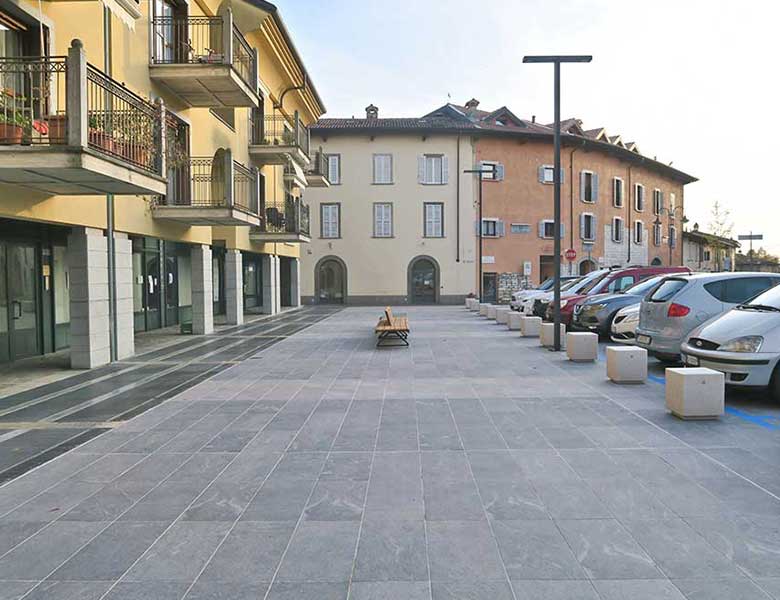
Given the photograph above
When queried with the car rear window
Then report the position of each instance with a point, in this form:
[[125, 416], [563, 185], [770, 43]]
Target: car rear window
[[667, 289], [771, 297], [738, 290]]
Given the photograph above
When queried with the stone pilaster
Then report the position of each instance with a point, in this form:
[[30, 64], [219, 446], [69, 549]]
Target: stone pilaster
[[202, 290], [295, 281], [234, 287], [123, 259], [271, 287]]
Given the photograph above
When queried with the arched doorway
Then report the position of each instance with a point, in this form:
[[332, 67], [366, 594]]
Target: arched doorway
[[586, 266], [423, 281], [656, 262], [330, 281]]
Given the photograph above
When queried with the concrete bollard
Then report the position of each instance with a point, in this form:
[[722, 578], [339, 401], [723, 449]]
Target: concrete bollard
[[502, 315], [531, 326], [695, 393], [491, 312], [627, 364], [483, 308], [547, 336], [582, 347], [514, 321]]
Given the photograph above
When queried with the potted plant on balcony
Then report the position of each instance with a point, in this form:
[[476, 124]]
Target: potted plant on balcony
[[98, 136], [13, 121], [57, 128]]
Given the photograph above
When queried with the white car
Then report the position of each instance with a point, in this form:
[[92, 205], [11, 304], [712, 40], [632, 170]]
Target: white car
[[623, 330], [569, 288], [546, 286], [743, 343]]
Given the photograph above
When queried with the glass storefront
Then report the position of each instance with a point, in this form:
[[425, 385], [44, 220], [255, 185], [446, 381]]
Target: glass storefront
[[253, 283]]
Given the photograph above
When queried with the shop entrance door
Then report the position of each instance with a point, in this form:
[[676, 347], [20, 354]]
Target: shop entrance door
[[20, 334]]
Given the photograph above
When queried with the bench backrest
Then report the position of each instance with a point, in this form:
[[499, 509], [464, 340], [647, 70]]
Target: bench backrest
[[389, 314]]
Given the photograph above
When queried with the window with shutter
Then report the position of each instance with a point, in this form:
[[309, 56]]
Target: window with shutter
[[588, 186], [617, 230], [547, 174], [334, 168], [433, 216], [587, 227], [639, 197], [547, 229], [383, 169], [657, 235], [383, 219], [657, 201], [499, 172], [617, 192], [434, 169], [330, 220], [489, 227], [638, 232], [519, 228]]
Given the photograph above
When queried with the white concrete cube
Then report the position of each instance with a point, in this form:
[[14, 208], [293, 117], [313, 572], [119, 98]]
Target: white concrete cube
[[483, 308], [627, 364], [695, 393], [491, 311], [582, 346], [502, 315], [547, 336], [474, 307], [531, 326], [514, 321]]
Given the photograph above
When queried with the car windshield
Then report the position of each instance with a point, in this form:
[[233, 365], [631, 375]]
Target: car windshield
[[768, 300], [547, 285], [567, 285], [642, 287], [589, 284]]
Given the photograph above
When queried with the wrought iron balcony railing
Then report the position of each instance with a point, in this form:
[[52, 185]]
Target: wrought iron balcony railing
[[319, 164], [203, 40], [277, 130], [288, 217], [50, 101]]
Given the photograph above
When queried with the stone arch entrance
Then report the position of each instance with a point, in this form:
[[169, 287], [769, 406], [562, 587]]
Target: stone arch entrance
[[656, 262], [423, 281], [586, 266], [330, 281]]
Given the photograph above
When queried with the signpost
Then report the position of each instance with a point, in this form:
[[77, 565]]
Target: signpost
[[751, 236]]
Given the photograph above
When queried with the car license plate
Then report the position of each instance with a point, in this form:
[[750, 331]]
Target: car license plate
[[691, 361], [643, 339]]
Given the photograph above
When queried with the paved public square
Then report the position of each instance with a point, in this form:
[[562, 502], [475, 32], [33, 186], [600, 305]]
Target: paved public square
[[473, 465]]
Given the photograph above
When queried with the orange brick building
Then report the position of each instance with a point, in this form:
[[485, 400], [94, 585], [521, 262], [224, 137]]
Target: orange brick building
[[618, 206]]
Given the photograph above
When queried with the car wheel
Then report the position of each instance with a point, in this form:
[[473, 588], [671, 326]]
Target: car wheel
[[774, 384], [668, 359]]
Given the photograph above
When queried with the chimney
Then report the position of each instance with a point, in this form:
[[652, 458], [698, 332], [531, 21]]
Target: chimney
[[696, 227], [472, 104], [533, 118], [372, 112]]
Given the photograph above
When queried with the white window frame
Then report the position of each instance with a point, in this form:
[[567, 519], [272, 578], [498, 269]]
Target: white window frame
[[544, 229], [673, 236], [431, 169], [706, 255], [658, 236], [383, 227], [377, 175], [672, 205], [656, 201], [592, 217], [492, 220], [337, 159], [432, 233], [589, 198], [551, 169], [637, 187], [526, 225], [325, 231], [615, 181], [639, 227], [618, 239]]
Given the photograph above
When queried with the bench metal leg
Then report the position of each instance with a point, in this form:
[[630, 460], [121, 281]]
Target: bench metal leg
[[402, 336]]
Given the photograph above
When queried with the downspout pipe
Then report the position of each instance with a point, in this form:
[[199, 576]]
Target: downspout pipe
[[571, 198], [457, 204], [302, 88], [630, 228], [110, 212]]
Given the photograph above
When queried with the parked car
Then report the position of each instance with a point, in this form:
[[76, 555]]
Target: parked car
[[546, 285], [539, 305], [623, 330], [595, 312], [684, 302], [526, 305], [743, 343]]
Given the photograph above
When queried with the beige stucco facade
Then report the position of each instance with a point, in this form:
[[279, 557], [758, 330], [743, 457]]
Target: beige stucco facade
[[378, 268]]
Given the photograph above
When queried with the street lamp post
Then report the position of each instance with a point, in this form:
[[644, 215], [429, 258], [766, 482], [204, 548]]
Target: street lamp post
[[481, 172], [671, 213], [556, 61]]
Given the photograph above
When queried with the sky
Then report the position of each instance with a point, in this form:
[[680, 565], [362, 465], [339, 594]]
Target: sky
[[691, 82]]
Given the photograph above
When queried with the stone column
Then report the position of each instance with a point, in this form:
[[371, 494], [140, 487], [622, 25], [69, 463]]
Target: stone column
[[234, 287], [89, 319], [202, 290], [271, 291], [123, 258], [295, 281]]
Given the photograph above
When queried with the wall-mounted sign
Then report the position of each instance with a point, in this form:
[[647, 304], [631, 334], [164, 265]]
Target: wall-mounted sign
[[488, 260]]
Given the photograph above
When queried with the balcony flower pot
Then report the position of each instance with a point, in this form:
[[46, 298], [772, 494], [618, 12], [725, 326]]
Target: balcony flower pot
[[11, 133], [133, 153], [57, 128], [100, 139]]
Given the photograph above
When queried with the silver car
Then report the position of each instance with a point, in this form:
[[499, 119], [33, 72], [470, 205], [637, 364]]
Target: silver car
[[683, 302], [743, 343]]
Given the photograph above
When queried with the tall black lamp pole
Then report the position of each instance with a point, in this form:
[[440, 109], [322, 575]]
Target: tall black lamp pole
[[556, 61], [481, 172]]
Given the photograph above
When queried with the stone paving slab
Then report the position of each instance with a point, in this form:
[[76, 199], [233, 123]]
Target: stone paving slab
[[472, 465]]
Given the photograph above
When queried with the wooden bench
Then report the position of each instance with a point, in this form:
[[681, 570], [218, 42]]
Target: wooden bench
[[392, 327]]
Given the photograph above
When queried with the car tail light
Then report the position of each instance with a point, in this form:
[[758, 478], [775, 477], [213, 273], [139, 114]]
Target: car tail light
[[677, 310]]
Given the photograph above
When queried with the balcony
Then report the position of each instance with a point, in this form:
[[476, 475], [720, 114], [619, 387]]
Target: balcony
[[317, 175], [205, 61], [286, 221], [274, 140], [68, 128], [213, 190]]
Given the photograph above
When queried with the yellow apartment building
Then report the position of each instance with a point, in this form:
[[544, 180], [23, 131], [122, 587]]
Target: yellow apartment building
[[153, 159]]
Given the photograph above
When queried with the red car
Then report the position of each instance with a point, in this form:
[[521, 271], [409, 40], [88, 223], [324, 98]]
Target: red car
[[611, 283]]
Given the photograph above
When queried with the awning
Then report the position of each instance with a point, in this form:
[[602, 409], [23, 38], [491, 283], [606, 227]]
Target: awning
[[125, 10]]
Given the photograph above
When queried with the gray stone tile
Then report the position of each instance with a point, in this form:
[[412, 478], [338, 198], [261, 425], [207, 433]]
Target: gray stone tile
[[54, 502], [571, 500], [637, 589], [471, 590], [336, 500], [347, 465], [307, 591], [320, 551], [179, 555], [593, 464], [395, 489], [391, 551], [69, 590], [626, 498], [535, 550], [202, 467], [554, 590], [44, 552], [13, 590], [111, 553], [147, 590], [720, 589], [607, 551], [463, 551], [679, 551], [250, 553], [544, 465], [226, 590], [494, 466], [165, 502], [566, 437], [147, 442], [280, 499], [155, 468], [608, 436], [108, 468], [13, 533], [389, 590], [771, 585], [511, 500]]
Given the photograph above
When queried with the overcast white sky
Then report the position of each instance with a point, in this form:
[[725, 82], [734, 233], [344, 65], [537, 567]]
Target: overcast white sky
[[694, 82]]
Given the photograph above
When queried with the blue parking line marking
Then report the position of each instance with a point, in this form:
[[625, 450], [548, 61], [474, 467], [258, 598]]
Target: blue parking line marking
[[656, 378]]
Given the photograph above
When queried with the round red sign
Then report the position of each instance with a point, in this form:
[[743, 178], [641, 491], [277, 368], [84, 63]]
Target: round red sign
[[570, 254]]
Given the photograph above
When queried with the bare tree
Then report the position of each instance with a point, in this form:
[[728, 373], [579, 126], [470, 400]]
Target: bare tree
[[722, 226]]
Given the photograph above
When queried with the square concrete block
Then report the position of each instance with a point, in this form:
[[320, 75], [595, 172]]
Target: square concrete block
[[695, 393], [474, 305], [502, 315], [547, 336], [582, 346], [491, 311], [531, 326], [627, 364], [514, 321], [483, 309]]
